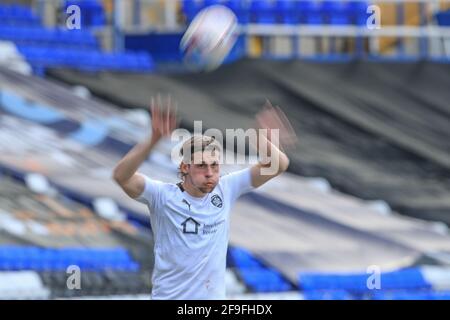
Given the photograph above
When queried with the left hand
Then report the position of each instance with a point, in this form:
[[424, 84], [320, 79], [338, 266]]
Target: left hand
[[271, 118]]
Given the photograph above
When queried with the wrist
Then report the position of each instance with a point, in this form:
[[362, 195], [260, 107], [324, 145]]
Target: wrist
[[154, 138]]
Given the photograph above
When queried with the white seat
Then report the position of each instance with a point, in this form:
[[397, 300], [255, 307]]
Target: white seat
[[22, 285]]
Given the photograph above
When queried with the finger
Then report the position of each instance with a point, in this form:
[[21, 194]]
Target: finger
[[154, 114], [158, 103], [173, 119], [261, 121], [158, 99], [168, 115], [267, 104], [152, 108], [290, 134], [152, 103], [283, 135], [269, 113], [262, 110]]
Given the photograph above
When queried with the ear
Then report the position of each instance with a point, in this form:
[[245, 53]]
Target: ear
[[184, 168]]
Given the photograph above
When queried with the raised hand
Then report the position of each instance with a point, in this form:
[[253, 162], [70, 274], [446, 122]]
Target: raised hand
[[271, 118], [164, 116]]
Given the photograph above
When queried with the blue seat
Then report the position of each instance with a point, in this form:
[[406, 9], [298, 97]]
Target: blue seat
[[336, 12], [264, 280], [263, 11], [93, 12], [401, 279], [208, 3], [287, 12], [191, 8], [33, 258], [240, 9], [357, 11], [443, 18], [309, 12], [314, 18]]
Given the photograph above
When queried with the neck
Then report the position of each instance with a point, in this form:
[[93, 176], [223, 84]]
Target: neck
[[192, 190]]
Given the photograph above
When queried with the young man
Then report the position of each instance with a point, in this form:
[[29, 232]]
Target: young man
[[190, 220]]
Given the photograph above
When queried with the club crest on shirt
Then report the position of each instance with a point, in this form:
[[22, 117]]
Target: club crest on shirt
[[217, 201]]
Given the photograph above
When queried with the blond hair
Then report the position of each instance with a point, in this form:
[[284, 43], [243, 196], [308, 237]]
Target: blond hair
[[194, 144]]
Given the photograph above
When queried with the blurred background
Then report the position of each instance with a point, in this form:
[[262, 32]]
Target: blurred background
[[363, 212]]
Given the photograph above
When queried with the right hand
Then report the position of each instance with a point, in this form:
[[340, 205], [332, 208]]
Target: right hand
[[271, 118], [164, 117]]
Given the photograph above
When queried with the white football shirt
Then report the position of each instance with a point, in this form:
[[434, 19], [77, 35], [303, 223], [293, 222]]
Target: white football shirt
[[191, 236]]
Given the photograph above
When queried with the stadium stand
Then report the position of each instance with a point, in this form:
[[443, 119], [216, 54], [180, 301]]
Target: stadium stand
[[58, 47], [286, 11], [274, 212], [380, 150], [368, 182], [22, 285], [93, 12], [255, 275]]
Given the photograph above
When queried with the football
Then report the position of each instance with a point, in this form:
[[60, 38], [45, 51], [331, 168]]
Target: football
[[209, 38]]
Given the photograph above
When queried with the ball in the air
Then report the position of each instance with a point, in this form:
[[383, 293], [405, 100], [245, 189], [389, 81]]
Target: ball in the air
[[209, 38]]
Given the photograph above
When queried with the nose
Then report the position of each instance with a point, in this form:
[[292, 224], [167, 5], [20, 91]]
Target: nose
[[209, 172]]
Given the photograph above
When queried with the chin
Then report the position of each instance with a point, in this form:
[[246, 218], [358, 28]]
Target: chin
[[207, 189]]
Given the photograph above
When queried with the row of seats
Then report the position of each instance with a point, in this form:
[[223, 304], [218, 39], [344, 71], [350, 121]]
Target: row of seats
[[106, 283], [264, 280], [256, 276], [93, 12], [17, 15], [50, 37], [22, 285], [377, 295], [412, 295], [53, 284], [88, 60], [76, 49], [328, 295], [358, 282], [287, 11], [46, 259]]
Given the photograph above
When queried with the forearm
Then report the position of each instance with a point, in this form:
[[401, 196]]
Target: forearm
[[131, 162]]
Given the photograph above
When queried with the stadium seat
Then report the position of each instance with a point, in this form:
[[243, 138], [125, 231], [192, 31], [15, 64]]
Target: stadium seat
[[337, 18], [240, 9], [93, 12], [328, 295], [443, 18], [357, 11], [191, 8], [335, 12], [22, 285], [263, 12], [208, 3], [17, 15], [42, 259], [401, 279], [254, 274], [287, 13]]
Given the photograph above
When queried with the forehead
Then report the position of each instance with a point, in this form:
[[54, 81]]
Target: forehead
[[207, 157]]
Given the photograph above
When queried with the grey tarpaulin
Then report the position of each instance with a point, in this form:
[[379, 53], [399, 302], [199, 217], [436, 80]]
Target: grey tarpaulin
[[375, 130], [292, 223]]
